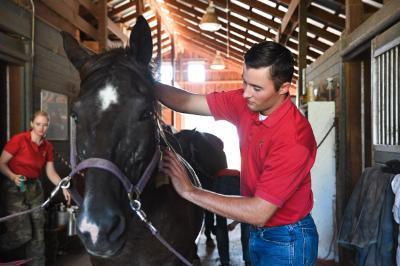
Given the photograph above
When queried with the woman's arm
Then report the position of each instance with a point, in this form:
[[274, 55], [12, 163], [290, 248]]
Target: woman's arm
[[55, 179], [5, 170]]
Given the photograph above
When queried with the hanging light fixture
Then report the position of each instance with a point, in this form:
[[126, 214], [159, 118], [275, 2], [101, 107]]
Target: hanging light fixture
[[218, 62], [209, 21]]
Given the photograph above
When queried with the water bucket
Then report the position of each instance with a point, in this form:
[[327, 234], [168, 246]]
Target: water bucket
[[62, 216]]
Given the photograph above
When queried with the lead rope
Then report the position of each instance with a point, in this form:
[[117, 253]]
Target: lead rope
[[64, 183], [136, 207]]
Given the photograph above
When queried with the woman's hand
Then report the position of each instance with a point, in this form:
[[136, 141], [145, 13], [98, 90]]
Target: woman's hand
[[177, 172], [67, 196], [17, 179]]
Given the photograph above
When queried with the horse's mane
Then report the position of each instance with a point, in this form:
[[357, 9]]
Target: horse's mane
[[105, 67]]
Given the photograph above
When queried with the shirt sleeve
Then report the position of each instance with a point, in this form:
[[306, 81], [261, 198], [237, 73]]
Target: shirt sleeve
[[283, 173], [13, 145], [226, 105], [49, 152]]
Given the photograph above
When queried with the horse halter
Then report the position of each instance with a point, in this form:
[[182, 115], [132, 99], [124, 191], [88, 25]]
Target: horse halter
[[133, 191]]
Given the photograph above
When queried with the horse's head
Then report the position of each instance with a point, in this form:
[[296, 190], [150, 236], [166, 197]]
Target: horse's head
[[115, 120]]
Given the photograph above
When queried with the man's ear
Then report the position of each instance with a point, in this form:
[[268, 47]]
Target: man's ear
[[284, 88]]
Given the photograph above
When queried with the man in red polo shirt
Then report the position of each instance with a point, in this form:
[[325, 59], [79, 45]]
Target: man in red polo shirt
[[277, 149]]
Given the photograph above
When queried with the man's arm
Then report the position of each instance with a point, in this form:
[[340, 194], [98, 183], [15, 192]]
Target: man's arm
[[252, 210], [182, 101]]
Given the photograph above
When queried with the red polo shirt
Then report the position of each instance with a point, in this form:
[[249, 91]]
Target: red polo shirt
[[277, 154], [28, 158]]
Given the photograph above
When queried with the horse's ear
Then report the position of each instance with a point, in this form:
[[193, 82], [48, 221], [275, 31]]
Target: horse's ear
[[140, 42], [76, 54]]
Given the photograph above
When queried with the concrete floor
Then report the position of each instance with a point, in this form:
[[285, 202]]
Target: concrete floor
[[208, 255]]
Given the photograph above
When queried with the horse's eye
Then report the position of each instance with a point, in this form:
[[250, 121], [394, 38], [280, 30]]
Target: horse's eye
[[74, 116], [149, 114]]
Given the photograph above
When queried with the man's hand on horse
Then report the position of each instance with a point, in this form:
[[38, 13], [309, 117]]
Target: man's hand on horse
[[177, 172]]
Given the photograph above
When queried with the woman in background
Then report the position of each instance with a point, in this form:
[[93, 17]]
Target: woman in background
[[21, 162]]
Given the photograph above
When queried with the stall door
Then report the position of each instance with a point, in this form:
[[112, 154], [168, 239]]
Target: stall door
[[386, 96]]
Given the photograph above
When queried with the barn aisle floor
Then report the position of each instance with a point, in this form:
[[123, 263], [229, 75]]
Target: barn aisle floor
[[208, 255]]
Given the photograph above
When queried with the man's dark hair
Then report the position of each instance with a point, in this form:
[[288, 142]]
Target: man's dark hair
[[272, 54]]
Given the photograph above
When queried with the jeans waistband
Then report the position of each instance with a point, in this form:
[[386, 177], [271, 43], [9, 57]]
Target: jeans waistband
[[298, 223]]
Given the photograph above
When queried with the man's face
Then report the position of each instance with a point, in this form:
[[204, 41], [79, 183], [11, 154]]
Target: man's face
[[259, 90]]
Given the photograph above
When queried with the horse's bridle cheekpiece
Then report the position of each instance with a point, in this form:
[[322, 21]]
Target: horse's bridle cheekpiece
[[133, 191]]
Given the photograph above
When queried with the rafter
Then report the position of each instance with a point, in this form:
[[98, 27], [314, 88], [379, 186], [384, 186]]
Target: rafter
[[122, 8]]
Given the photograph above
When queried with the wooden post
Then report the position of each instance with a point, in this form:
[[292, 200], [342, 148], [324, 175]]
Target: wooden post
[[173, 71], [350, 141], [102, 32], [352, 72], [139, 7], [159, 44], [303, 45]]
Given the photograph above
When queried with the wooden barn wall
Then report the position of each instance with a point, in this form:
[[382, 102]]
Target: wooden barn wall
[[52, 70]]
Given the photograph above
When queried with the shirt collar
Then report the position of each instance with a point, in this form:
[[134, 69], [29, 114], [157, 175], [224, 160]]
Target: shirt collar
[[29, 138], [276, 115]]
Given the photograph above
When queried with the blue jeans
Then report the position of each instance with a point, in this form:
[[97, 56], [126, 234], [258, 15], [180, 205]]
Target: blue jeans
[[293, 244]]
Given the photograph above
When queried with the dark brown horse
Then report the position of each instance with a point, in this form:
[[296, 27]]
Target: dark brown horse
[[116, 121]]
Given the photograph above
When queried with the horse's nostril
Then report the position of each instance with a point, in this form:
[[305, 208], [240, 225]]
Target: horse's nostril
[[117, 228]]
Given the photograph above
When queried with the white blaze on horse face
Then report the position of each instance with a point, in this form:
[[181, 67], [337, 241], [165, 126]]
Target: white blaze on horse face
[[107, 96], [91, 228]]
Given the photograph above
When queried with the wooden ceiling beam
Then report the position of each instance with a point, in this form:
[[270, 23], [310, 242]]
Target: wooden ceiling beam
[[280, 14], [54, 18], [174, 4], [111, 25], [322, 33], [322, 16], [122, 8], [211, 42], [311, 53], [102, 29], [157, 9], [290, 17], [89, 6], [199, 48], [326, 18], [176, 15], [189, 18], [268, 9], [312, 42], [254, 16], [62, 9], [185, 32], [132, 16], [139, 7], [315, 43]]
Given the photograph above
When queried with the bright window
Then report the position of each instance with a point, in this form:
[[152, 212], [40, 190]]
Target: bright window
[[222, 129], [166, 73], [196, 71]]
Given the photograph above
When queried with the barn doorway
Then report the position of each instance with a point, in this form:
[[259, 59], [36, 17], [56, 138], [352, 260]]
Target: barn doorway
[[222, 129]]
